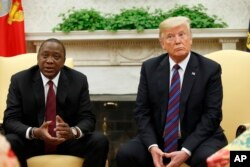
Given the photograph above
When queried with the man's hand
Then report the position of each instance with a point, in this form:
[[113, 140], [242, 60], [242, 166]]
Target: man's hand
[[63, 132], [177, 158], [62, 129], [43, 134], [157, 156]]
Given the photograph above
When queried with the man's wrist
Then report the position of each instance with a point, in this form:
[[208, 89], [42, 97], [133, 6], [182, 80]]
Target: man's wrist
[[32, 134], [151, 146], [186, 150], [75, 132]]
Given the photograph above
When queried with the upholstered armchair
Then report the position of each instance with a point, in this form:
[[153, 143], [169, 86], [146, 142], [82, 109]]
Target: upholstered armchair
[[236, 109], [235, 66], [11, 65], [236, 90]]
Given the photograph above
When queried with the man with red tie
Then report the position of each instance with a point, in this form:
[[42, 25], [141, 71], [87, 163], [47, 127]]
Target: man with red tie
[[49, 111], [178, 106]]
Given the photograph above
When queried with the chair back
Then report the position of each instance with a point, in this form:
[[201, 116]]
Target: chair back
[[236, 88], [12, 65]]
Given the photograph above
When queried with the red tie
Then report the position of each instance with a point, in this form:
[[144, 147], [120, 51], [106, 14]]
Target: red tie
[[172, 118], [50, 115]]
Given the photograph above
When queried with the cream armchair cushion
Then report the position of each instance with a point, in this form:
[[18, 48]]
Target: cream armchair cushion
[[236, 88], [11, 65], [55, 161]]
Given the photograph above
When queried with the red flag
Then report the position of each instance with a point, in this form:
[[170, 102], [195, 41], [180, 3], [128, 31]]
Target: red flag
[[12, 36]]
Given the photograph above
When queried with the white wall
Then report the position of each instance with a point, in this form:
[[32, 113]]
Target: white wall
[[42, 15], [112, 80]]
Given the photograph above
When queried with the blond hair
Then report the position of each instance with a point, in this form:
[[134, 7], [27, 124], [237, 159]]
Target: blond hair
[[173, 22]]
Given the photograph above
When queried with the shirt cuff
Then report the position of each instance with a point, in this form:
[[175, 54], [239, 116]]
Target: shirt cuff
[[80, 132], [152, 145], [28, 132], [186, 150]]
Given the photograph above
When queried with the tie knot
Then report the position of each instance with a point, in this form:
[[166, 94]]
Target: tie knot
[[176, 67], [50, 83]]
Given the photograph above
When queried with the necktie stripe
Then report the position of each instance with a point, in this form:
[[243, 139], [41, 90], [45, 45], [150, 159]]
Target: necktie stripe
[[172, 145], [175, 96], [171, 115], [173, 122], [173, 111], [175, 84], [171, 128], [173, 104], [174, 90], [171, 136]]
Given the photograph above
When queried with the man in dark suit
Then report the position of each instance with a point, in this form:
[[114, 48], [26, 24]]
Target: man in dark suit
[[26, 124], [199, 104]]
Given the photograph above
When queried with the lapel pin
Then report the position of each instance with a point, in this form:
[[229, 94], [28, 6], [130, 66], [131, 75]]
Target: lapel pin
[[193, 73]]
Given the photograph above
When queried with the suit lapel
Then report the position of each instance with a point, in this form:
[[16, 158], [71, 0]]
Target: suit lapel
[[63, 87], [189, 77], [39, 96], [163, 87]]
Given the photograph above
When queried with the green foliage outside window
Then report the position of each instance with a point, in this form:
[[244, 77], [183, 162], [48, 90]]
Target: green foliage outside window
[[134, 18]]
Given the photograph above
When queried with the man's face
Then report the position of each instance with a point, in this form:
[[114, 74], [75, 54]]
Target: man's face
[[177, 42], [51, 59]]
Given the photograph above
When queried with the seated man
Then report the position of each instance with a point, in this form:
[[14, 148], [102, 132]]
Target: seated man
[[178, 105], [49, 111]]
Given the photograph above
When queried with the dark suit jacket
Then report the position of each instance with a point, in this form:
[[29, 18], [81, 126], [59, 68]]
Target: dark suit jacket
[[200, 103], [26, 101]]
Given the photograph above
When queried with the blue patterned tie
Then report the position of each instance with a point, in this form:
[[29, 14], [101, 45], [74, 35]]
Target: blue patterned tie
[[172, 117]]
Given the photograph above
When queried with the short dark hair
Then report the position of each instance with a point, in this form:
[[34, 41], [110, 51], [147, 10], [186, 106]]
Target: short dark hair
[[53, 40]]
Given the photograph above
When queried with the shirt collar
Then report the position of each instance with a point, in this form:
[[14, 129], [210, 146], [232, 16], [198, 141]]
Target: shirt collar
[[54, 80], [182, 64]]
